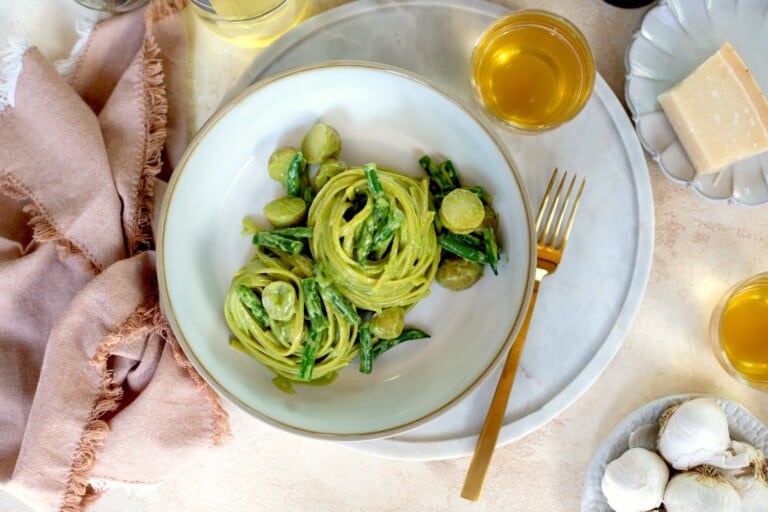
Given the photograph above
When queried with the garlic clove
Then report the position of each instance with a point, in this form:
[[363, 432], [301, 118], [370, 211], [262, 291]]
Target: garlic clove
[[635, 481], [704, 490], [695, 433], [751, 482], [646, 436], [739, 455], [757, 462]]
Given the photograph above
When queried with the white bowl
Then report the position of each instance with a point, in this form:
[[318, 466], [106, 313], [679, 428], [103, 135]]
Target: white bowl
[[674, 38], [385, 116], [742, 425]]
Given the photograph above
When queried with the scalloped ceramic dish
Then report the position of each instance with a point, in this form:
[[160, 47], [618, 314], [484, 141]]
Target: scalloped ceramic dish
[[743, 426], [674, 38], [385, 116]]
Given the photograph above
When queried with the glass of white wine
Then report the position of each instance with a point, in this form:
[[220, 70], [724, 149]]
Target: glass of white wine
[[116, 6], [250, 23]]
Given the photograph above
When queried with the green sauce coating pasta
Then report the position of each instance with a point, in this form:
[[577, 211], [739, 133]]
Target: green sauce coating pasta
[[316, 295], [280, 345], [400, 272]]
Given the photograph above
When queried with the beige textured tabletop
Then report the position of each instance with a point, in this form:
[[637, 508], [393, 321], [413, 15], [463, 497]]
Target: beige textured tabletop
[[701, 249]]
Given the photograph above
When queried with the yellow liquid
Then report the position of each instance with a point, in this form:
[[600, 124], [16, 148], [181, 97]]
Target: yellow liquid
[[243, 8], [744, 331], [533, 71], [250, 23]]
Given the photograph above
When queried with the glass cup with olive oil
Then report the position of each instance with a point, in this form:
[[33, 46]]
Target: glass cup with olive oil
[[533, 70], [739, 331]]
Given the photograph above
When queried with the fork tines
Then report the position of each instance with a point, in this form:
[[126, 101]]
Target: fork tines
[[562, 207]]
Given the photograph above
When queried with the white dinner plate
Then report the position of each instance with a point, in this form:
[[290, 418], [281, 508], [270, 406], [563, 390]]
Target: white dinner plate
[[585, 309], [384, 116], [742, 425], [675, 37]]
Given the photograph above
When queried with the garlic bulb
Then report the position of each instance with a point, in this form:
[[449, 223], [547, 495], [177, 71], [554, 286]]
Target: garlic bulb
[[701, 491], [751, 482], [695, 433], [646, 436], [753, 491], [635, 481]]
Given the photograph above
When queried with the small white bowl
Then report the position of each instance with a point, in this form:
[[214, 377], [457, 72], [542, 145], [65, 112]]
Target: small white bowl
[[674, 38], [742, 425], [385, 116]]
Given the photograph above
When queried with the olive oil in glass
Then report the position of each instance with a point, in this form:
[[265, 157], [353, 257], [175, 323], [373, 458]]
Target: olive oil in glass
[[740, 331], [533, 70]]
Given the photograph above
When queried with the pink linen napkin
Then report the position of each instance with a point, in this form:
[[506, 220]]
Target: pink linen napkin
[[94, 388]]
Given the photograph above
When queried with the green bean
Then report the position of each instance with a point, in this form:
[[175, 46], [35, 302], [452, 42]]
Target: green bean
[[366, 346], [364, 240], [383, 236], [310, 352], [380, 212], [448, 172], [340, 302], [297, 232], [293, 175], [434, 205], [408, 334], [312, 302], [380, 203], [321, 274], [279, 242], [375, 220], [252, 301], [372, 177], [471, 240], [491, 248], [437, 182], [451, 243], [308, 194]]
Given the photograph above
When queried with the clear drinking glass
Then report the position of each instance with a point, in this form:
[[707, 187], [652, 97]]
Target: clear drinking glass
[[116, 6], [533, 70], [250, 23], [739, 331]]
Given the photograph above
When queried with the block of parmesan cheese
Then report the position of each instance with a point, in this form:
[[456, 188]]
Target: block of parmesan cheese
[[718, 112]]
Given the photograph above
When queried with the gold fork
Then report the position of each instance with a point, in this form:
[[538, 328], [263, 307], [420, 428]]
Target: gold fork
[[550, 244]]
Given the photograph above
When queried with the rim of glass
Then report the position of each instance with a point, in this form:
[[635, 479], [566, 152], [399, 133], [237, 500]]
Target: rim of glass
[[112, 6], [201, 8]]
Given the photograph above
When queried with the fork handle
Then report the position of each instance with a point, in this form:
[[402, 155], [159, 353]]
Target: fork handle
[[486, 443]]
